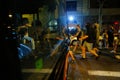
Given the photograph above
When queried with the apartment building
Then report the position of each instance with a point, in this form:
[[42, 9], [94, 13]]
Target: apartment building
[[83, 11]]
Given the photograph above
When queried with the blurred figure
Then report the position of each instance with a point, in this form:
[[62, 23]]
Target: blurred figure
[[119, 36], [24, 37], [37, 26], [41, 38], [88, 42], [110, 36], [115, 42], [24, 33], [39, 33], [100, 43], [78, 34], [65, 37], [97, 28], [105, 38]]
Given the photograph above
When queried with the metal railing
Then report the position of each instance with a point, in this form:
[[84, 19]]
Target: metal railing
[[60, 69]]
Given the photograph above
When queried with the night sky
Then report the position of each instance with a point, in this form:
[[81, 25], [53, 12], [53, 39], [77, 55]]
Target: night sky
[[107, 4]]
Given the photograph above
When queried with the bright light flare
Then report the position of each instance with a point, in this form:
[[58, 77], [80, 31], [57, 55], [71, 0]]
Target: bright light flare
[[70, 28], [71, 18], [10, 15]]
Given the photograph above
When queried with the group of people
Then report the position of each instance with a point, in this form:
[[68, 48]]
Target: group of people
[[91, 39], [86, 40], [111, 38]]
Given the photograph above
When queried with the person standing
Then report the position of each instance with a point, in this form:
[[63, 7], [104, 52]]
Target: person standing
[[78, 35], [110, 36], [88, 42], [105, 38], [24, 33], [24, 38]]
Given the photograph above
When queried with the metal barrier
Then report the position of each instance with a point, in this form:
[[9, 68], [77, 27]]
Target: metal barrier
[[60, 70]]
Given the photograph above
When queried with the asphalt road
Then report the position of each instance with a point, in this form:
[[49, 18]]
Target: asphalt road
[[105, 68]]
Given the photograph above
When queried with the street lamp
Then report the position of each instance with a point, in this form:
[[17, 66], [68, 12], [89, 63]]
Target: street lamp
[[70, 18]]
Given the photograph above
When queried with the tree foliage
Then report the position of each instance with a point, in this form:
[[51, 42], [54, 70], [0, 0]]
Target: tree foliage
[[33, 5]]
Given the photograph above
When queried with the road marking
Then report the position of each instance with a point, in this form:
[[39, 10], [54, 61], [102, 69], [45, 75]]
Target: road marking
[[36, 70], [104, 73]]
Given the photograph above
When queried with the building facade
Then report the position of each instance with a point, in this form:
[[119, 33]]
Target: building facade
[[84, 11]]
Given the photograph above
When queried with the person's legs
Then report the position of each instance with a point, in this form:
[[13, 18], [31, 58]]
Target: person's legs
[[83, 49], [71, 55], [75, 47], [83, 52], [96, 49], [115, 45], [91, 50]]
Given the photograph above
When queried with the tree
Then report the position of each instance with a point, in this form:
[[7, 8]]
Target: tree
[[101, 3]]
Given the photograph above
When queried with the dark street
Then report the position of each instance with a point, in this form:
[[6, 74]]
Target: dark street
[[105, 68], [60, 39], [40, 68]]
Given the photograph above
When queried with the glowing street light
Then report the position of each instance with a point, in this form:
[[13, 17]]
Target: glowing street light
[[70, 18]]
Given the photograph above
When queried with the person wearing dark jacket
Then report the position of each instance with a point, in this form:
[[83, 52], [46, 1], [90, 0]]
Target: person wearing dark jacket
[[88, 42]]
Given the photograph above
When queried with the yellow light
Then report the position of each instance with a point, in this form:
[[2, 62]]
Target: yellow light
[[10, 15]]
